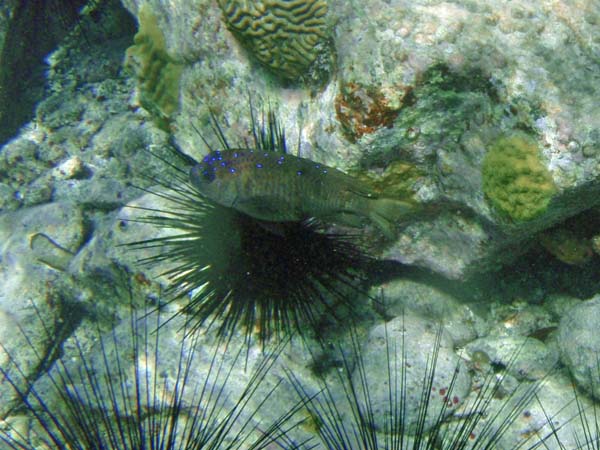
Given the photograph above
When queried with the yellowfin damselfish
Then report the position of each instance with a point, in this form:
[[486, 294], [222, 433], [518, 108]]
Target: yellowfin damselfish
[[271, 185]]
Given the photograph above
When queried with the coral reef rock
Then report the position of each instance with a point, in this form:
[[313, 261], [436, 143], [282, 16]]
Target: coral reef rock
[[430, 86], [579, 344], [411, 342]]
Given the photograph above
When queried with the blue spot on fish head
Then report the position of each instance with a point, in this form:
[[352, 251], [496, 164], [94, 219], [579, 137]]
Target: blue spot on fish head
[[215, 181], [202, 173]]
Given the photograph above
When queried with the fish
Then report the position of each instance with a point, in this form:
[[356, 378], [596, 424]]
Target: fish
[[276, 186]]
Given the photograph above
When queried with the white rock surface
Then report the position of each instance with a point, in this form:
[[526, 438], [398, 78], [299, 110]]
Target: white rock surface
[[579, 343]]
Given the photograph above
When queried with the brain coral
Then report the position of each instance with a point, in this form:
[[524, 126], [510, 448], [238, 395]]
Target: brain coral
[[285, 35], [515, 180]]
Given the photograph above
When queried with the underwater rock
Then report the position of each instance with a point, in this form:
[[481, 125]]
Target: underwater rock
[[71, 152], [458, 320], [548, 413], [8, 202], [523, 320], [62, 223], [163, 353], [526, 358], [419, 337], [142, 385], [457, 108], [449, 244], [33, 288], [48, 161], [24, 177], [557, 304], [559, 415], [27, 33], [579, 344], [434, 86], [14, 348]]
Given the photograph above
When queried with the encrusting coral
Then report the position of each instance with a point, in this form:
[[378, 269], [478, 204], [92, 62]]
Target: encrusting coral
[[156, 71], [515, 180], [365, 109]]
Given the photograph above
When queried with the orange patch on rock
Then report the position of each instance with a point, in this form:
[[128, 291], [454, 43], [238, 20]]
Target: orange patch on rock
[[364, 109]]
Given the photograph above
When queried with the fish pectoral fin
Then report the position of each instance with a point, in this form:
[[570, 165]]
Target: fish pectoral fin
[[386, 213], [259, 207]]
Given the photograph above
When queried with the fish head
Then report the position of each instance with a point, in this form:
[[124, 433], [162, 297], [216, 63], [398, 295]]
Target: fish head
[[215, 178]]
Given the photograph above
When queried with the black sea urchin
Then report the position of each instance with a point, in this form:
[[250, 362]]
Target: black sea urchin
[[576, 423], [144, 388], [347, 416], [239, 271]]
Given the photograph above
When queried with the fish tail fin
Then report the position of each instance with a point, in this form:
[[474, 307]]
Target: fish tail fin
[[387, 212]]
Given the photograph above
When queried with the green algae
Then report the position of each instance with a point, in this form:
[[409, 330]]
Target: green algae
[[448, 103], [438, 111], [515, 180], [396, 181]]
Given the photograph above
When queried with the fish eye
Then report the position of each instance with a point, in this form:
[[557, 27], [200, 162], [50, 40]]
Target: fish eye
[[203, 173], [208, 174]]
